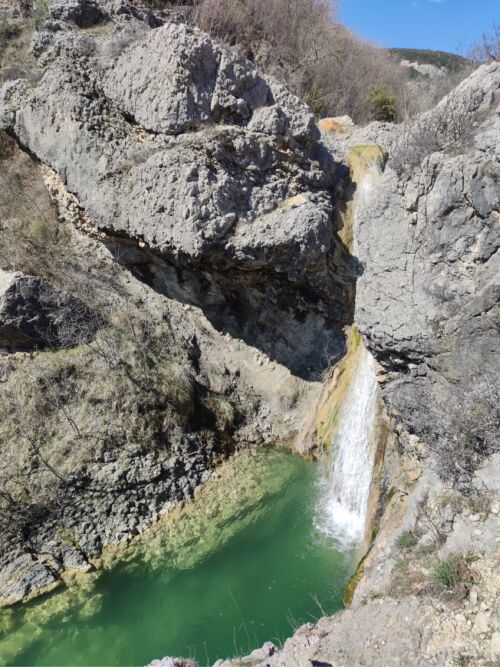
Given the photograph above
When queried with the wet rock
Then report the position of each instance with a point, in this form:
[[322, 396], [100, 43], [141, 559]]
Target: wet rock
[[23, 577]]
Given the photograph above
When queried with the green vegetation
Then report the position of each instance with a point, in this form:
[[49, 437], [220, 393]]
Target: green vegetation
[[382, 104], [315, 99], [452, 573], [407, 539], [451, 61], [41, 13], [462, 659], [445, 574]]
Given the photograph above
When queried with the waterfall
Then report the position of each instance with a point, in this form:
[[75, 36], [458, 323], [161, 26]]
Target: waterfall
[[365, 187], [345, 484]]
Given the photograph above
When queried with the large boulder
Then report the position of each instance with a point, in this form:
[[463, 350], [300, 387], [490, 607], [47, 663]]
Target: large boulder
[[215, 173], [165, 136], [428, 239], [33, 314]]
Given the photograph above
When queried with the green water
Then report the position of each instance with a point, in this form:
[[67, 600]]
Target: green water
[[250, 575]]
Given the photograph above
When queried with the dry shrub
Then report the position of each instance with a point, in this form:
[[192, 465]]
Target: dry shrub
[[32, 239], [488, 47], [472, 427], [300, 43], [448, 128], [424, 92]]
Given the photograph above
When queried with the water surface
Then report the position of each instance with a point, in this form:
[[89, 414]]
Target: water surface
[[244, 564]]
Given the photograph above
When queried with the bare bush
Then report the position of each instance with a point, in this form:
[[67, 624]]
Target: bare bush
[[423, 93], [299, 42], [448, 128], [488, 47], [32, 238], [471, 426]]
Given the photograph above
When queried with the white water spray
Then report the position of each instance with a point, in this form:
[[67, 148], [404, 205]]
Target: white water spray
[[347, 479]]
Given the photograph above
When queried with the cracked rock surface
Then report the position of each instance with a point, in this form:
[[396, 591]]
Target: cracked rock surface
[[179, 144], [428, 299]]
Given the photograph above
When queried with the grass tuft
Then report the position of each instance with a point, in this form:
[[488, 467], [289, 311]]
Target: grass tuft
[[407, 539]]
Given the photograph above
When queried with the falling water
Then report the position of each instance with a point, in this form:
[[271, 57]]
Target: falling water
[[365, 188], [347, 479]]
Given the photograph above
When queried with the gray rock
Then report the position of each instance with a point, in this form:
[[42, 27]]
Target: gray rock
[[35, 314], [385, 633], [172, 662], [180, 145], [173, 80], [428, 299], [73, 559], [84, 13], [24, 576]]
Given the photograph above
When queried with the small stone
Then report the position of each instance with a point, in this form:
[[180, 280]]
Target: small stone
[[475, 517], [495, 643], [478, 532], [473, 597], [481, 624]]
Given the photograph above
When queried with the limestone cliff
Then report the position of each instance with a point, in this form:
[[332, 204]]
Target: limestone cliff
[[193, 212], [427, 238], [214, 173], [214, 239]]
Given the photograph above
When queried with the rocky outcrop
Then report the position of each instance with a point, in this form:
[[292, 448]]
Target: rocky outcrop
[[111, 501], [178, 144], [427, 306], [428, 299], [33, 314], [211, 185], [172, 662]]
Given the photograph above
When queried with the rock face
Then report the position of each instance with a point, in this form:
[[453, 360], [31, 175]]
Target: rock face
[[428, 300], [174, 142], [125, 492], [33, 314], [211, 185]]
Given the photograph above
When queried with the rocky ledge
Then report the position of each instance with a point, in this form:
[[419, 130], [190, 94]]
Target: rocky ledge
[[215, 173], [198, 206], [35, 315]]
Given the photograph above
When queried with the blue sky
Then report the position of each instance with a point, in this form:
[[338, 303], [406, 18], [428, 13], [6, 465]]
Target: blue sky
[[447, 25]]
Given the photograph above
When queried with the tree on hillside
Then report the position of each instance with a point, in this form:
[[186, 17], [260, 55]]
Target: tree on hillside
[[382, 104]]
